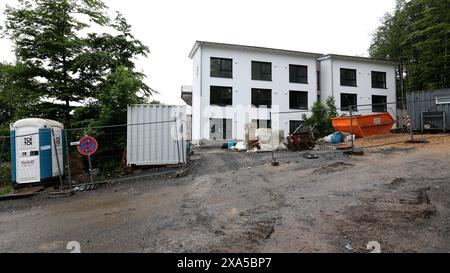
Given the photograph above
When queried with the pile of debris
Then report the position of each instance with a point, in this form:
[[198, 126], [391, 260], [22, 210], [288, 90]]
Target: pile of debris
[[268, 140], [341, 140]]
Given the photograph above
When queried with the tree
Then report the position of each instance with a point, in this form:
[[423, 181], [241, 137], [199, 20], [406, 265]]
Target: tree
[[68, 63], [417, 33], [17, 98], [321, 116]]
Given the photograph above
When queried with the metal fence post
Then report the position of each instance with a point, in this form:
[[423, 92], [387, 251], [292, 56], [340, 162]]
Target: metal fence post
[[1, 161], [183, 144], [57, 159], [178, 136], [351, 128], [68, 159], [271, 125]]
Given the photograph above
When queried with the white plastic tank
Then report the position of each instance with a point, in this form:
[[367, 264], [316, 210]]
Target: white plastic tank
[[35, 145]]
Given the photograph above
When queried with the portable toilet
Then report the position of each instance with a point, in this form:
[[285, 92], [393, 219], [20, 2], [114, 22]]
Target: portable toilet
[[35, 145]]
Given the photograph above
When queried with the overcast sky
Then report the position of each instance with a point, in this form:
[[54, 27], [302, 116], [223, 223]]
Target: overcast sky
[[170, 28]]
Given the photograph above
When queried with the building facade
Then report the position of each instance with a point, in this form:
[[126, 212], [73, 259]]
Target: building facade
[[235, 85]]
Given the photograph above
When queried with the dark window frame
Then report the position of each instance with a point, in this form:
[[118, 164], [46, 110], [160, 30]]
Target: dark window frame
[[224, 127], [222, 71], [261, 98], [257, 71], [213, 100], [302, 106], [346, 106], [258, 121], [376, 82], [293, 127], [346, 79], [379, 107], [295, 73]]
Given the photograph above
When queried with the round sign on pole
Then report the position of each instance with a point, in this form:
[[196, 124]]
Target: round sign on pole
[[87, 145]]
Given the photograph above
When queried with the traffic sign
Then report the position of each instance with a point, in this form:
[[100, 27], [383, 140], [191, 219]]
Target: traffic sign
[[87, 145]]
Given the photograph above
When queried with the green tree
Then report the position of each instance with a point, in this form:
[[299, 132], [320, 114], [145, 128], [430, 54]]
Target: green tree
[[110, 108], [17, 96], [69, 63], [417, 33], [321, 116]]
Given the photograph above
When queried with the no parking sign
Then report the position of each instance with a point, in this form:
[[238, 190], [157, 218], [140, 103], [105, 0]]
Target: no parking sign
[[87, 145]]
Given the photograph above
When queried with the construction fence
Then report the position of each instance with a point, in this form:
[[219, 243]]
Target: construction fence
[[120, 152], [362, 127]]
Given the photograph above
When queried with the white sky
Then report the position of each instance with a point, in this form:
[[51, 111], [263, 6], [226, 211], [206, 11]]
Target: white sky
[[170, 28]]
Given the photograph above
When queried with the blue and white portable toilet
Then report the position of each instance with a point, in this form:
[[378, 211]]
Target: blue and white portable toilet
[[33, 151]]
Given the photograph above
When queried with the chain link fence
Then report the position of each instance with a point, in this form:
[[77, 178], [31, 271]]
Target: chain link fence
[[5, 161], [362, 126], [123, 152]]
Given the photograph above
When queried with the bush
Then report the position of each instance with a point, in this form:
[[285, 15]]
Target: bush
[[321, 116]]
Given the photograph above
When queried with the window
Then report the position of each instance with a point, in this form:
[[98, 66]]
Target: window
[[378, 79], [348, 77], [298, 100], [298, 73], [348, 100], [262, 97], [294, 124], [379, 103], [261, 71], [318, 80], [220, 128], [221, 95], [262, 123], [221, 68]]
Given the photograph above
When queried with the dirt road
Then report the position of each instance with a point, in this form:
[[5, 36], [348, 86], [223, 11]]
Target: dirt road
[[398, 196]]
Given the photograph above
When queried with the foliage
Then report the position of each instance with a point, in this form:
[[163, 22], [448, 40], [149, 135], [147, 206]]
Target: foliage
[[66, 63], [321, 116], [417, 33], [6, 189], [5, 176], [110, 108], [16, 93]]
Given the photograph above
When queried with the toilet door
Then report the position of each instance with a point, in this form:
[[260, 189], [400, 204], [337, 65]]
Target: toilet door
[[27, 155]]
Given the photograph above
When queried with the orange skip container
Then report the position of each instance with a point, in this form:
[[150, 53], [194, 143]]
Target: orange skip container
[[365, 125]]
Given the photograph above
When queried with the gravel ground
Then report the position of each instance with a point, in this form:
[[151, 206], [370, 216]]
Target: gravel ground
[[398, 196]]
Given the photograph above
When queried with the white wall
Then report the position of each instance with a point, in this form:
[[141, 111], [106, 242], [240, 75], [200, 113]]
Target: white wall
[[325, 80], [331, 83], [196, 96], [241, 112]]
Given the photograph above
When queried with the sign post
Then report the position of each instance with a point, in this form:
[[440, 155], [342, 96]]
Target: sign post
[[87, 146]]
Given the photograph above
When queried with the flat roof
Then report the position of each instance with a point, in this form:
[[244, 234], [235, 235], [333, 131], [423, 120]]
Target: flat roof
[[355, 58], [318, 56], [199, 44]]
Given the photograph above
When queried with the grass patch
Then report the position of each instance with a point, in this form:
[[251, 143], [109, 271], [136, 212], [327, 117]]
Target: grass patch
[[5, 190]]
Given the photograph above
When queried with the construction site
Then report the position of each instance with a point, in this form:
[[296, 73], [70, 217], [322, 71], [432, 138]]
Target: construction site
[[396, 195]]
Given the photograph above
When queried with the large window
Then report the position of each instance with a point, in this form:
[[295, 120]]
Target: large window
[[378, 79], [262, 97], [221, 67], [348, 77], [221, 95], [220, 128], [262, 123], [379, 103], [298, 100], [298, 73], [261, 71], [348, 100], [294, 126]]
